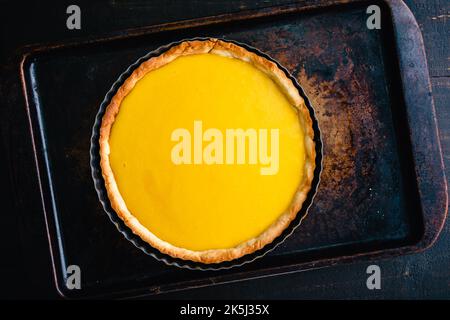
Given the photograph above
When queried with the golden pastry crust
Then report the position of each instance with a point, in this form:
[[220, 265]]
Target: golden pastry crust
[[219, 47]]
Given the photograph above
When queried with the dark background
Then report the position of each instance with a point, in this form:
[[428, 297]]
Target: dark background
[[424, 275]]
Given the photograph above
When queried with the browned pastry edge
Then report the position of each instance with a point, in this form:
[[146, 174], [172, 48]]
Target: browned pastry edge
[[222, 48]]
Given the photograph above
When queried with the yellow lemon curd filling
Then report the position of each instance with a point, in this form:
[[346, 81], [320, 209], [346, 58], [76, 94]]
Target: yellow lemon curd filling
[[204, 206]]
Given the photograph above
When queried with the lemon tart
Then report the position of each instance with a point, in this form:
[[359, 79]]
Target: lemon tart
[[207, 151]]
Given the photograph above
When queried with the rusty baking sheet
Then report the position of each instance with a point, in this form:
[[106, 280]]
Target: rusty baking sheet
[[382, 190]]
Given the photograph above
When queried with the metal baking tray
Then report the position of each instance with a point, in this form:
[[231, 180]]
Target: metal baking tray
[[382, 190]]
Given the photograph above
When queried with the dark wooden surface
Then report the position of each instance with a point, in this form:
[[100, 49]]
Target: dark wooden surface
[[26, 269]]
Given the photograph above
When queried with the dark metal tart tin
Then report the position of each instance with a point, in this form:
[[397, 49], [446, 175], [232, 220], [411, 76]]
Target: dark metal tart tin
[[147, 248]]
